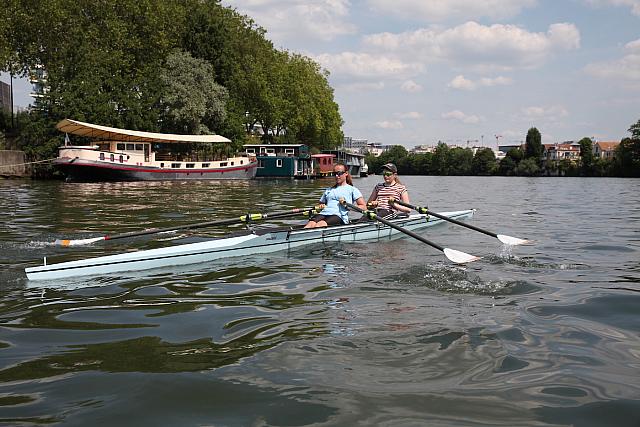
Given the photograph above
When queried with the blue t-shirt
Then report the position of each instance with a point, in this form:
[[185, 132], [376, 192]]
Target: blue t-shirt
[[331, 198]]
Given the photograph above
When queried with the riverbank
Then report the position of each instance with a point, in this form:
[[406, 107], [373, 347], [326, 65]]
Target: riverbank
[[13, 164]]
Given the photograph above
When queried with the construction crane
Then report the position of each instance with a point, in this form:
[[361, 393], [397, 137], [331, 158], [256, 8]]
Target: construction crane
[[497, 143]]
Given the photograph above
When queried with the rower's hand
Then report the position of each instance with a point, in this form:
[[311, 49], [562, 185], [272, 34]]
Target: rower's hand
[[320, 206], [372, 204]]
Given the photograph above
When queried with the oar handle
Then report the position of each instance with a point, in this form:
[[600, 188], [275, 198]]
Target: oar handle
[[426, 211], [372, 215]]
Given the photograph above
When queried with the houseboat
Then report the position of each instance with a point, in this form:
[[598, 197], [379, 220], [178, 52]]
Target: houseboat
[[323, 165], [353, 161], [281, 160], [127, 155]]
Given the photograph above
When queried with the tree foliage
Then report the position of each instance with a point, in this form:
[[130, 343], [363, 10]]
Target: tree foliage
[[586, 154], [484, 162], [158, 65], [192, 101], [533, 145]]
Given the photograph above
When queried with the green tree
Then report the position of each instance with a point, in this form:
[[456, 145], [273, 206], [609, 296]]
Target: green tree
[[439, 161], [516, 154], [586, 155], [459, 161], [193, 103], [484, 162], [528, 167], [507, 166], [533, 145]]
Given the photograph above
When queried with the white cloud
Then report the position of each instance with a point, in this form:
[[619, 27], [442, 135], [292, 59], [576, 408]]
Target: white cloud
[[437, 11], [393, 124], [633, 4], [474, 45], [298, 19], [361, 86], [460, 116], [626, 68], [460, 82], [411, 87], [413, 115], [367, 65], [553, 112], [633, 45]]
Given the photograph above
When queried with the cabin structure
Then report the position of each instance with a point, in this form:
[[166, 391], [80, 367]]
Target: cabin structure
[[282, 160]]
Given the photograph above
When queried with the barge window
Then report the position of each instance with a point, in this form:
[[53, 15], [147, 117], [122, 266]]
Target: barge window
[[289, 151], [120, 146], [205, 165], [231, 163], [131, 147], [278, 163], [260, 163], [121, 159], [189, 165], [175, 165], [111, 157], [161, 165], [139, 147], [223, 164], [101, 156], [241, 161], [251, 150]]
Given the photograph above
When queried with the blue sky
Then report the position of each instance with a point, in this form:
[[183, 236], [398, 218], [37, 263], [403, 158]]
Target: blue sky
[[413, 72]]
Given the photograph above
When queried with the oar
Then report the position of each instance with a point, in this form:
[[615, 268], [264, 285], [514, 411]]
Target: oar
[[230, 221], [508, 240], [452, 254]]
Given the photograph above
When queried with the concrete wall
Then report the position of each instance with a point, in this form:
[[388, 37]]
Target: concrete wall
[[11, 157]]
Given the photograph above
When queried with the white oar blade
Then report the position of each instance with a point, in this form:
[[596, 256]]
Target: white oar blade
[[79, 242], [513, 241], [459, 257]]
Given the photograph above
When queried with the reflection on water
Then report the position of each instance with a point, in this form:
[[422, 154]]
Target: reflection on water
[[368, 333]]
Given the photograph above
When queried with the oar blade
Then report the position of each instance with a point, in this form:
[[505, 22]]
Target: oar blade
[[513, 241], [459, 257], [78, 242]]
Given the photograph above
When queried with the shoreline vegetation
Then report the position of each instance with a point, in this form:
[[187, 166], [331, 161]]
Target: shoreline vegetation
[[526, 161], [185, 67], [210, 70]]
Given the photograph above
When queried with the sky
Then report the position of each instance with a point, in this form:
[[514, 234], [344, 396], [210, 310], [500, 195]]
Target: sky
[[465, 72]]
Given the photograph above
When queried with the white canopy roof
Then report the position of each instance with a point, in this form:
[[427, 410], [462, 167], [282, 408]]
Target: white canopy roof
[[106, 133]]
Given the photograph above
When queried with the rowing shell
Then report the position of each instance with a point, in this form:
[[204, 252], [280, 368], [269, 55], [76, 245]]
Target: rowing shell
[[252, 243]]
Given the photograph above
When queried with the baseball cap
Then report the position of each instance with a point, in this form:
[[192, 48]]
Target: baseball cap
[[391, 167]]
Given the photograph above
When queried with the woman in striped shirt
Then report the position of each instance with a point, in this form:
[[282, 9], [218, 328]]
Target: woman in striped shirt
[[391, 187]]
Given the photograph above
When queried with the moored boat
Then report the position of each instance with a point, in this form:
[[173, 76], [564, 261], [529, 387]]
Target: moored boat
[[254, 242], [127, 155]]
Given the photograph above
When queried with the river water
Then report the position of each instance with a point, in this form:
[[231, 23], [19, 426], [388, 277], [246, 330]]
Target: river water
[[347, 334]]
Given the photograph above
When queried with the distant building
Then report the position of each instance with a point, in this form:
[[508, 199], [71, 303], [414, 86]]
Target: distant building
[[5, 97], [38, 79], [376, 148], [605, 149], [561, 151], [506, 147], [355, 145], [422, 149]]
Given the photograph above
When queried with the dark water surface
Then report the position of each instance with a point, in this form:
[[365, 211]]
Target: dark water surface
[[355, 334]]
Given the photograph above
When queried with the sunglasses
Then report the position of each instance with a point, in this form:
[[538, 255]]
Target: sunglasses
[[339, 173], [387, 173]]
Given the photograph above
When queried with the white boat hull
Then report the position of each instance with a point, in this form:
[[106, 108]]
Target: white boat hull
[[245, 245]]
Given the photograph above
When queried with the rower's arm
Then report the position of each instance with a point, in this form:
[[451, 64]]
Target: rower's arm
[[405, 199], [361, 204]]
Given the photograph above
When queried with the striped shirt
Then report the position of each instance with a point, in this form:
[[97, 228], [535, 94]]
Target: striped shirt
[[386, 191]]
